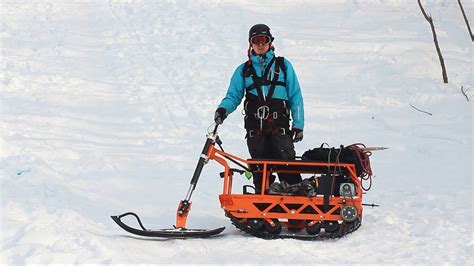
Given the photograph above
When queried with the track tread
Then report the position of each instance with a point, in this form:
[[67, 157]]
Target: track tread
[[344, 229]]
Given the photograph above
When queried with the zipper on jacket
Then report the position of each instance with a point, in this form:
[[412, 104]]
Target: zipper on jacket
[[262, 71]]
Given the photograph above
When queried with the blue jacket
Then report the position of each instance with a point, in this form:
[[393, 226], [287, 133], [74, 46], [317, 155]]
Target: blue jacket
[[292, 91]]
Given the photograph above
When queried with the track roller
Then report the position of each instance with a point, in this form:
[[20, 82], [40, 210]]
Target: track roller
[[312, 227], [331, 226], [273, 226], [255, 224]]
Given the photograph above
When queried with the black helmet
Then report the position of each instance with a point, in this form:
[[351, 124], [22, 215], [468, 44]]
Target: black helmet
[[260, 29]]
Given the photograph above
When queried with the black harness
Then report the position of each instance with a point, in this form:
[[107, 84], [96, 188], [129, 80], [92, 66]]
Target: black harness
[[258, 82], [265, 115]]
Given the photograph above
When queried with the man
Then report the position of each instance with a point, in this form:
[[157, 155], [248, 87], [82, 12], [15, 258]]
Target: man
[[272, 96]]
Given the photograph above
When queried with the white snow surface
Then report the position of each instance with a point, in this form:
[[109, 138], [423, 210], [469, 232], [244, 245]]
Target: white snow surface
[[105, 106]]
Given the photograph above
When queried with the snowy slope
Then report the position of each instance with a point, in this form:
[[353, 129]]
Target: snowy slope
[[105, 106]]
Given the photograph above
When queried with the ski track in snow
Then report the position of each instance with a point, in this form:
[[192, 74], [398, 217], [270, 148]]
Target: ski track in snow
[[105, 106]]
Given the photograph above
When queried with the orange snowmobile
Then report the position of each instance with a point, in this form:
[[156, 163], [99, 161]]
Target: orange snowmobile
[[328, 206]]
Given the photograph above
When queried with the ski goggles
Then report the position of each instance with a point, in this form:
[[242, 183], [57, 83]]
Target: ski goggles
[[260, 39]]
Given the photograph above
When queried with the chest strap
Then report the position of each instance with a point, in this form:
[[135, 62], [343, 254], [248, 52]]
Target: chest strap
[[258, 82]]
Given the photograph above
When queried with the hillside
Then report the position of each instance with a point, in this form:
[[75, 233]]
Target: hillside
[[105, 106]]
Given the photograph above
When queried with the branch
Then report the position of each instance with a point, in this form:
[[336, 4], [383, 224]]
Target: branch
[[420, 110], [435, 39], [465, 20], [465, 94], [424, 13]]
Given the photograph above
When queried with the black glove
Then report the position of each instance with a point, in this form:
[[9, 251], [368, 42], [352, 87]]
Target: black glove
[[297, 134], [220, 115]]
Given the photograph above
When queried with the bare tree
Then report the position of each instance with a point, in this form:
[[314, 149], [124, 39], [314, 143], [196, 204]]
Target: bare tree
[[435, 39], [465, 20]]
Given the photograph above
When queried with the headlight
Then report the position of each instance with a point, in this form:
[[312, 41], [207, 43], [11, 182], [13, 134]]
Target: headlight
[[347, 190]]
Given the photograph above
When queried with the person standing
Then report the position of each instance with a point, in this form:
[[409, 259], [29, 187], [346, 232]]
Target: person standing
[[272, 98]]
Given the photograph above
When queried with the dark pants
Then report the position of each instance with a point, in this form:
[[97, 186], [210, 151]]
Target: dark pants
[[278, 147]]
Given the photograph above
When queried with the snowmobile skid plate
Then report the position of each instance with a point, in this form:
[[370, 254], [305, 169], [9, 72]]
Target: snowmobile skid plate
[[165, 233], [344, 229]]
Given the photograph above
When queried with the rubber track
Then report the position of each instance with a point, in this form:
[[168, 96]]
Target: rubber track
[[343, 230]]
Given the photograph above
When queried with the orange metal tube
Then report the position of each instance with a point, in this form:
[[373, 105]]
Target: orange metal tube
[[244, 206]]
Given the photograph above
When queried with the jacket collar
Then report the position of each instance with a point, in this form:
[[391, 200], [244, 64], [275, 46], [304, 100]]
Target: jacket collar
[[263, 58]]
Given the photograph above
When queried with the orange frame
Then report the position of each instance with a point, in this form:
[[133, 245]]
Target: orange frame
[[290, 207]]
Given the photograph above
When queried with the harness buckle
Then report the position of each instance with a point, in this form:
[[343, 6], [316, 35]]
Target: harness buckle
[[282, 131], [262, 112], [251, 133]]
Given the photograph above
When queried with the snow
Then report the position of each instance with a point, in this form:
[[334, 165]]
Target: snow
[[105, 106]]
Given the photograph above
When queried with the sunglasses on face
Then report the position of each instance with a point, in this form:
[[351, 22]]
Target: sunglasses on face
[[260, 39]]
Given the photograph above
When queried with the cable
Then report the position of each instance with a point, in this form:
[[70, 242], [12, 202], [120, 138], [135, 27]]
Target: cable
[[370, 184], [364, 161], [208, 131], [363, 157], [232, 160]]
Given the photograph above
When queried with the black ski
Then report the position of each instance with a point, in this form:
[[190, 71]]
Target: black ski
[[165, 233]]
